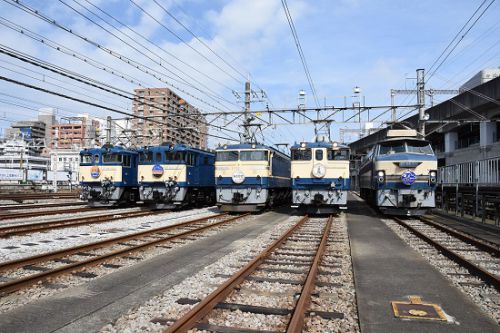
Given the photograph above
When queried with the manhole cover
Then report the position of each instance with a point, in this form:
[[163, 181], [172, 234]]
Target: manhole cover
[[416, 309]]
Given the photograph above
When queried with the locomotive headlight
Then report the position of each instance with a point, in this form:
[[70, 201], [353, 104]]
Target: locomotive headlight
[[433, 176], [381, 176], [303, 144], [335, 144]]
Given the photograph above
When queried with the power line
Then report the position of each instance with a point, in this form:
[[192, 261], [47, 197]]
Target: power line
[[460, 39], [143, 68], [88, 81], [102, 106], [185, 43], [299, 49], [213, 95]]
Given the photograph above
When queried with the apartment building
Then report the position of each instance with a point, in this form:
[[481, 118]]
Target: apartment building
[[173, 119]]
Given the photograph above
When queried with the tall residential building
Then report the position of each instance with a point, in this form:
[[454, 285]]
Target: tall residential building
[[74, 133], [48, 116], [183, 122]]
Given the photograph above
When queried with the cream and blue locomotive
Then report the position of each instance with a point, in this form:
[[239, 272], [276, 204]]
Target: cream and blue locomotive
[[399, 174], [251, 177], [320, 177], [173, 176], [108, 176]]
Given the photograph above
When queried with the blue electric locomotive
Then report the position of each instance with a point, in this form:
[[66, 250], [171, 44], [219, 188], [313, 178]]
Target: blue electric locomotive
[[320, 176], [172, 176], [108, 176], [250, 177]]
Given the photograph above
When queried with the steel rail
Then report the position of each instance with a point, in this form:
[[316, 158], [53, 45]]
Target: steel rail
[[31, 196], [9, 216], [42, 276], [486, 276], [10, 207], [21, 229], [296, 323], [492, 249], [91, 246], [204, 307]]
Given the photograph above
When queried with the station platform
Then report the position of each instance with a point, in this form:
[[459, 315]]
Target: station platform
[[387, 270]]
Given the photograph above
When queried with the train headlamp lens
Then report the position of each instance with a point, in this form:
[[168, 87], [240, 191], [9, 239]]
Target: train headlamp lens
[[380, 174], [303, 144], [433, 173], [335, 144]]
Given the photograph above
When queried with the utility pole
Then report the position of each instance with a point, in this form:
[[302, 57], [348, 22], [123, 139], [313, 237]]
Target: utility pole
[[108, 130], [421, 101], [247, 110]]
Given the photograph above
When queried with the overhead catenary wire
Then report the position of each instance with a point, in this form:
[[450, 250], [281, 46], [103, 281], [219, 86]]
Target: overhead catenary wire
[[161, 62], [457, 39], [300, 51], [143, 68], [3, 78], [91, 82]]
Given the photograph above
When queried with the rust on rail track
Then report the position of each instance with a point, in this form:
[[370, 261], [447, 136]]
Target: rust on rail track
[[9, 216], [486, 276], [32, 279]]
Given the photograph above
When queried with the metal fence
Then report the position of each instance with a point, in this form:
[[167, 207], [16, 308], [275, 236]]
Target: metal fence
[[483, 173]]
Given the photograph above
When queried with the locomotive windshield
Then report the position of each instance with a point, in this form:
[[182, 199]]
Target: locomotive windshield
[[111, 158], [415, 147], [225, 156], [341, 154], [301, 154], [86, 159], [253, 155]]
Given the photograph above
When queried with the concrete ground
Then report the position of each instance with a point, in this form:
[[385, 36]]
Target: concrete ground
[[386, 269], [89, 307]]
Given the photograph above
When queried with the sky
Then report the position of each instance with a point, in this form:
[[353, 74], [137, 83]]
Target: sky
[[374, 45]]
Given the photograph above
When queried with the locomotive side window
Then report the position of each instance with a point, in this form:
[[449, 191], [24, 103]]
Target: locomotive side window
[[301, 154], [158, 157], [225, 156], [205, 160], [112, 158], [341, 154], [253, 156], [318, 154]]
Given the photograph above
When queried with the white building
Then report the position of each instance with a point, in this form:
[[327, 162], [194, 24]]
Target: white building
[[20, 161], [64, 164]]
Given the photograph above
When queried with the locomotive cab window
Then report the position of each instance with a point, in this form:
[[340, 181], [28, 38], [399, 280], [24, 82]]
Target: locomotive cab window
[[318, 154], [253, 155], [341, 154], [419, 147], [392, 147], [86, 159], [225, 156], [158, 157], [301, 154], [112, 158], [146, 156]]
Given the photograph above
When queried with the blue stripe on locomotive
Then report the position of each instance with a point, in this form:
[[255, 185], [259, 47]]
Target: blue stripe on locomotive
[[129, 173], [264, 182], [200, 174], [313, 183]]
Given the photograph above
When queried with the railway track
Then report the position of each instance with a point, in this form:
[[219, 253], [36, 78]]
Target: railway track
[[9, 216], [57, 263], [27, 228], [47, 205], [34, 196], [479, 258], [299, 252]]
